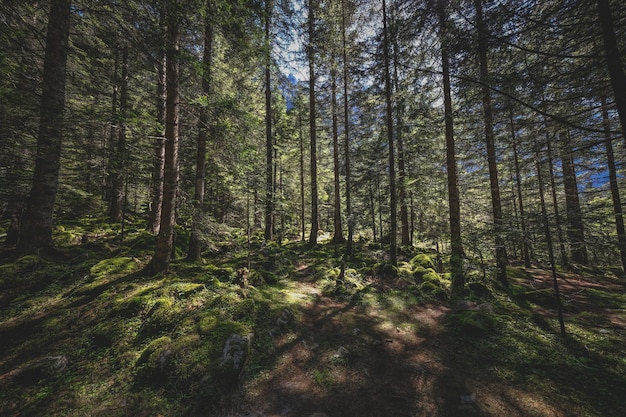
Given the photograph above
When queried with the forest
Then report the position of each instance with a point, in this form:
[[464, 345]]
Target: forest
[[316, 208]]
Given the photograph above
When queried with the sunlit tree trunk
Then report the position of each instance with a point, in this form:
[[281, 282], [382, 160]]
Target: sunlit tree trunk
[[496, 205], [393, 203], [36, 228], [165, 241], [456, 245], [195, 243]]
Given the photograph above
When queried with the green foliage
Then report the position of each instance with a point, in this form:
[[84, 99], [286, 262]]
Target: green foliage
[[423, 260]]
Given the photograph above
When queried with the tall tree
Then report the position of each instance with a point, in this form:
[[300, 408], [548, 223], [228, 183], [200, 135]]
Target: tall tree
[[312, 122], [518, 182], [575, 228], [165, 241], [337, 223], [269, 139], [393, 203], [346, 130], [454, 206], [496, 205], [36, 229], [195, 243], [118, 162]]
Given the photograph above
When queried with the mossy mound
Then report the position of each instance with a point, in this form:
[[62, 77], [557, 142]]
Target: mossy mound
[[473, 323], [423, 260]]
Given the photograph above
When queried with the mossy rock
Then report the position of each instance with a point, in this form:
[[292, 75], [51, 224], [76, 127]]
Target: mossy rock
[[423, 260], [431, 275], [479, 289], [224, 274], [129, 307], [474, 323], [432, 289], [151, 367]]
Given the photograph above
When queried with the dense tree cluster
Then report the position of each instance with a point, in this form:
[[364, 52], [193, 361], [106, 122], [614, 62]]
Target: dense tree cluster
[[481, 130]]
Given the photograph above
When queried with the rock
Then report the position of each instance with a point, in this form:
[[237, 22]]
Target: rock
[[234, 355], [285, 319], [486, 307]]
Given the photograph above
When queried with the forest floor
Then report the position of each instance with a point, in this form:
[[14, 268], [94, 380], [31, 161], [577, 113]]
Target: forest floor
[[88, 336]]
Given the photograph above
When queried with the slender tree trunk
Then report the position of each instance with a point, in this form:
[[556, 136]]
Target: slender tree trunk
[[373, 211], [617, 202], [613, 60], [555, 204], [337, 224], [269, 140], [154, 221], [346, 132], [118, 163], [301, 137], [36, 227], [456, 245], [195, 243], [165, 241], [518, 182], [393, 203], [546, 225], [312, 125], [405, 237], [501, 257], [575, 230]]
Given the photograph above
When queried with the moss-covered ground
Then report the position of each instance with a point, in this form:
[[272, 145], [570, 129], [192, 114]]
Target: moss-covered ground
[[87, 335]]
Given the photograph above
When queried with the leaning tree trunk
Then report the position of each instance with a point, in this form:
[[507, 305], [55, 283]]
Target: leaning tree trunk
[[165, 241], [456, 245], [36, 228], [575, 230], [496, 205], [312, 126], [195, 243]]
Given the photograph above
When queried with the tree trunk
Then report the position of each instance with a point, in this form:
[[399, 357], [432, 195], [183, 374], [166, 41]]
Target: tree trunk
[[36, 226], [496, 205], [456, 245], [617, 203], [118, 163], [575, 230], [613, 60], [269, 140], [393, 204], [346, 131], [165, 240], [154, 221], [555, 203], [195, 243], [518, 182], [546, 225], [312, 125], [337, 224], [301, 138]]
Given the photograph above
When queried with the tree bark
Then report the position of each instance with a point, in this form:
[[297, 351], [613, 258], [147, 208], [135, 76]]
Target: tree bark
[[269, 140], [346, 132], [337, 224], [496, 205], [118, 163], [36, 225], [617, 202], [575, 230], [195, 243], [312, 125], [555, 203], [154, 221], [456, 244], [165, 241], [518, 182], [393, 203]]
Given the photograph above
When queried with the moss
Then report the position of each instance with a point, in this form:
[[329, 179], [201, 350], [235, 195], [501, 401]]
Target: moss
[[129, 307], [162, 317], [474, 323], [431, 289], [114, 266], [423, 260]]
